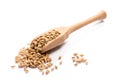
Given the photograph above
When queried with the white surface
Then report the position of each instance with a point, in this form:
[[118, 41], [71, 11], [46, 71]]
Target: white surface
[[22, 20]]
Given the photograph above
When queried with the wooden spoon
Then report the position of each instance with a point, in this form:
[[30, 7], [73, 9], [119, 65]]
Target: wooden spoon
[[66, 31]]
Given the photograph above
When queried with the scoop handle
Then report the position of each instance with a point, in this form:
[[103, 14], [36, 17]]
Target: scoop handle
[[99, 16]]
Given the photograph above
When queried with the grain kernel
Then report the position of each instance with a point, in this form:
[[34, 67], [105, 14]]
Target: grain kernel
[[25, 70], [75, 54], [60, 62], [74, 60], [81, 55], [73, 57], [42, 73], [86, 63], [56, 67], [12, 67], [46, 67], [59, 58], [52, 69], [75, 64], [47, 72], [77, 57]]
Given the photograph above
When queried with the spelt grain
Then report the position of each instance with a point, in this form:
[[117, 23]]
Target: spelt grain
[[60, 62], [13, 67], [47, 72], [52, 69], [81, 55], [56, 67], [42, 73], [59, 58], [75, 64]]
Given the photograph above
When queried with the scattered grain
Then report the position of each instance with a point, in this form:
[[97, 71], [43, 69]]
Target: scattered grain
[[75, 54], [78, 58], [60, 62], [46, 67], [25, 70], [75, 64], [59, 58], [29, 57], [47, 72], [12, 67], [56, 67], [86, 63], [52, 69], [73, 57], [81, 55], [41, 68], [74, 60], [42, 73], [78, 61]]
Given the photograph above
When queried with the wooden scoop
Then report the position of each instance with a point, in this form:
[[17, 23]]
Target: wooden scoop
[[65, 31]]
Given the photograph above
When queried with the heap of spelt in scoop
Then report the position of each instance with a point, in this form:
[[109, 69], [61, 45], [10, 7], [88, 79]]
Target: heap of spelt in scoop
[[32, 57]]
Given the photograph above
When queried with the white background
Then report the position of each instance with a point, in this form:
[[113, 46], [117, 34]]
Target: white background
[[22, 20]]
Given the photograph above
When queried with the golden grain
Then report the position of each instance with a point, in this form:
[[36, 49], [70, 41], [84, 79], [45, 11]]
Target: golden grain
[[75, 54], [52, 69], [25, 70], [47, 72], [86, 63], [60, 62], [13, 67], [32, 57], [81, 55], [39, 42], [79, 58], [59, 58], [42, 73], [75, 64], [56, 67]]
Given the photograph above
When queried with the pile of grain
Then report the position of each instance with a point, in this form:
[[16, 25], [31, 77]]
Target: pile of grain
[[38, 43], [27, 57], [79, 58], [31, 57]]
